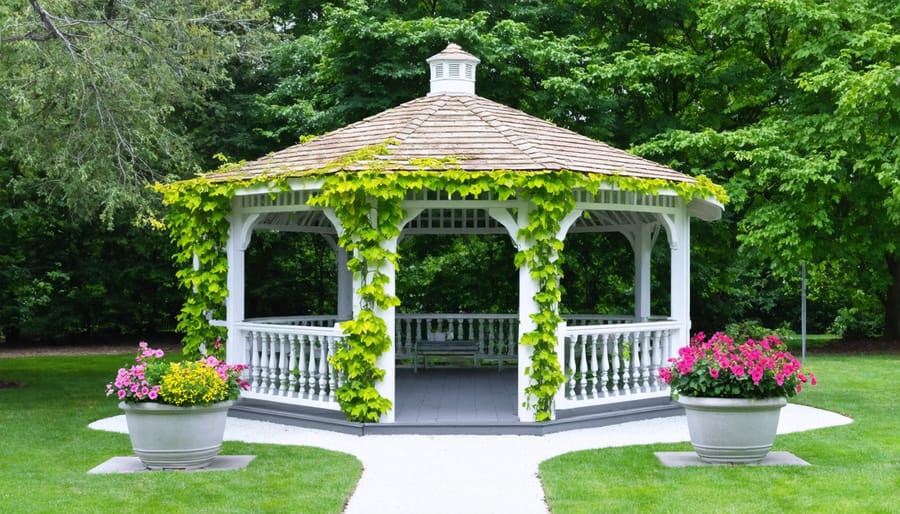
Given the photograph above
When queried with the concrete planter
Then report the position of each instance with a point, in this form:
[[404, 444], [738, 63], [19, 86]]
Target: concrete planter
[[732, 430], [170, 437]]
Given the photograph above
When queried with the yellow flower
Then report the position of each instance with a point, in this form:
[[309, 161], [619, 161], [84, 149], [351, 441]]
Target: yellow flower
[[192, 383]]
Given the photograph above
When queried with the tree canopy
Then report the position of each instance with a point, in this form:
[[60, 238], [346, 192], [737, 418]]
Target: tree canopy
[[793, 106]]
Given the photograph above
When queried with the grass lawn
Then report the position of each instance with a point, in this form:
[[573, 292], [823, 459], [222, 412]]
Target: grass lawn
[[46, 450], [855, 468]]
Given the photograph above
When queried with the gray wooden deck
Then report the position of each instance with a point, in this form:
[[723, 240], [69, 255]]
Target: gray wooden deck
[[435, 395], [478, 401]]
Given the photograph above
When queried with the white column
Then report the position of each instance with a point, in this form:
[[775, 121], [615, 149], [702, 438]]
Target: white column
[[344, 285], [528, 287], [680, 245], [238, 240], [642, 244], [387, 360]]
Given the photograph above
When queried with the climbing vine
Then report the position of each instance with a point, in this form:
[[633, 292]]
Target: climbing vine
[[197, 221], [368, 205]]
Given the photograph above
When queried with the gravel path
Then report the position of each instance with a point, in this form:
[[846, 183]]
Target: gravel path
[[470, 474]]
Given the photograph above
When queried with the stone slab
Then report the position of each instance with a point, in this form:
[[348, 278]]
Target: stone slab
[[685, 459], [133, 465]]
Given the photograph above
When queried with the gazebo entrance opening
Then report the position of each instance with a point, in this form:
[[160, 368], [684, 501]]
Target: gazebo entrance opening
[[607, 358]]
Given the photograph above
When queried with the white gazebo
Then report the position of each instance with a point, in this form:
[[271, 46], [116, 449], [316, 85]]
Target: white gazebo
[[609, 361]]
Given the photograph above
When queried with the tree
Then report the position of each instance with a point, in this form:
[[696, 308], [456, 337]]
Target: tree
[[811, 159], [89, 91]]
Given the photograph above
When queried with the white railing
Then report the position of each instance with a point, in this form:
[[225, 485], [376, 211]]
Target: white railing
[[304, 321], [290, 364], [615, 362], [497, 335]]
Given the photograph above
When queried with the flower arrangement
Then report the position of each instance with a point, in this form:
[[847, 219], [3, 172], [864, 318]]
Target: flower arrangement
[[719, 368], [152, 379]]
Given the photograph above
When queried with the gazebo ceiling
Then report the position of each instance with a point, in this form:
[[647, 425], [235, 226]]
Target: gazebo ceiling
[[478, 134]]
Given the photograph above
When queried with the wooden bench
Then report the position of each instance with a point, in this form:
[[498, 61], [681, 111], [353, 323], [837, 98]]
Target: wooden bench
[[444, 348]]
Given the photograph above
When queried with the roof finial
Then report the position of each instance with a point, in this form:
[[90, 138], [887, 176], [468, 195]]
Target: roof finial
[[452, 71]]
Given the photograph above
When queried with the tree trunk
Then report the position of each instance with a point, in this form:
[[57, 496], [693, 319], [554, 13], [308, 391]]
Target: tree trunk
[[892, 301]]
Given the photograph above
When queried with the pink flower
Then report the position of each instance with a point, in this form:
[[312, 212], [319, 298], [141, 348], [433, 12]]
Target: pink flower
[[714, 372], [812, 377], [664, 373], [756, 375], [737, 370], [121, 394]]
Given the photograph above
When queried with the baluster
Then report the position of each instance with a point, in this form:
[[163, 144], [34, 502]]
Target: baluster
[[604, 366], [643, 360], [292, 366], [570, 367], [614, 366], [282, 365], [301, 363], [665, 341], [255, 363], [247, 374], [583, 371], [635, 365], [627, 357], [273, 364], [323, 369], [592, 390], [479, 336], [654, 360], [332, 380], [263, 362], [313, 369], [407, 341]]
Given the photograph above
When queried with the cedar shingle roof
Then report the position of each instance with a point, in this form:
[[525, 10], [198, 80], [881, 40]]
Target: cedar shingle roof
[[480, 134]]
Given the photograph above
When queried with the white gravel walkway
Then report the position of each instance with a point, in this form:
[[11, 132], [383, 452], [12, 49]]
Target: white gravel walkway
[[470, 474]]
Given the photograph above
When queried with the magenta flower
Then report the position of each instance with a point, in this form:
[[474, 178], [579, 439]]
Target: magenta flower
[[731, 365]]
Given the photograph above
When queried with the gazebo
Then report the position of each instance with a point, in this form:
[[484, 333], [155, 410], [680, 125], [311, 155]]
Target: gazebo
[[608, 363]]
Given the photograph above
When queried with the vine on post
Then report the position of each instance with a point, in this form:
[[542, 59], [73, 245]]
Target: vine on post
[[197, 221], [368, 205]]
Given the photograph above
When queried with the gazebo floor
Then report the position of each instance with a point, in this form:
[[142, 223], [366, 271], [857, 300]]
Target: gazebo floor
[[456, 401]]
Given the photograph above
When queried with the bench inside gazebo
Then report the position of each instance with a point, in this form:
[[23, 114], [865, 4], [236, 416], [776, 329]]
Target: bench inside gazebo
[[610, 363]]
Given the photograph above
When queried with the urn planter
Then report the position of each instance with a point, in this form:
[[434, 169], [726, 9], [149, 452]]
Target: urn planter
[[732, 430], [170, 437]]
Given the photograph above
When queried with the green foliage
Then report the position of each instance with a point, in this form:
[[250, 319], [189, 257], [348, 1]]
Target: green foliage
[[462, 274], [63, 276], [197, 221], [749, 329], [857, 322], [289, 273], [90, 92]]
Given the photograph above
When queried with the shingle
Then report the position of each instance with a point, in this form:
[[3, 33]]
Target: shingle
[[481, 134]]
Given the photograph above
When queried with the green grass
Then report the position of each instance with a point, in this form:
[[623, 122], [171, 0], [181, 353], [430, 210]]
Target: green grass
[[46, 451], [855, 468]]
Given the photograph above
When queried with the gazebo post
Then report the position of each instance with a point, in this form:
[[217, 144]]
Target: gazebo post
[[344, 285], [387, 360], [680, 301], [528, 287], [642, 244], [240, 232]]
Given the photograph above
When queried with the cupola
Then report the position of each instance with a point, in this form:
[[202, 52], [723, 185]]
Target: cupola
[[452, 71]]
